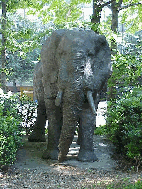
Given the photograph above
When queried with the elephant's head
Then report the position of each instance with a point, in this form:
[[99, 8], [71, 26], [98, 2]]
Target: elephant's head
[[84, 65]]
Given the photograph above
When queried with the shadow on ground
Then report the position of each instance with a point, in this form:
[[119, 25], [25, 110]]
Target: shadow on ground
[[30, 155]]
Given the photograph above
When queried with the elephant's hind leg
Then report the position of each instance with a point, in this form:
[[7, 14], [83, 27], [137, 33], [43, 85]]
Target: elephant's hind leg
[[54, 128], [38, 134]]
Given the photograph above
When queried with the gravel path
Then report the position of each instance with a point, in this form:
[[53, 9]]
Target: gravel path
[[32, 172]]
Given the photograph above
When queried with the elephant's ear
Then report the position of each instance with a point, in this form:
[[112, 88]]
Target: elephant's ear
[[102, 40], [62, 47], [100, 44]]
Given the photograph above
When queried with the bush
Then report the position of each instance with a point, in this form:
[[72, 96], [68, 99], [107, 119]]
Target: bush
[[125, 124], [101, 130], [124, 113], [16, 115], [27, 109], [10, 129]]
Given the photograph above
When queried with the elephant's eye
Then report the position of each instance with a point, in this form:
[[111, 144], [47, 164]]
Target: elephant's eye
[[90, 53], [82, 67]]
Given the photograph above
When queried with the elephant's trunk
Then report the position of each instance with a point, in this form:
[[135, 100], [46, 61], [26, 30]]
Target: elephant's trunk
[[91, 101]]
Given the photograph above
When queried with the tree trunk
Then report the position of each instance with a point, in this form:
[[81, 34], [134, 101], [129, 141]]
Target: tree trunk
[[96, 15], [96, 12], [114, 25], [3, 54], [114, 28]]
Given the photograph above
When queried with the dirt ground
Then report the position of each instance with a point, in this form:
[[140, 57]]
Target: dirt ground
[[31, 171]]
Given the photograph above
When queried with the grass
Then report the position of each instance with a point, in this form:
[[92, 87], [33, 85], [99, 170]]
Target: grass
[[124, 183]]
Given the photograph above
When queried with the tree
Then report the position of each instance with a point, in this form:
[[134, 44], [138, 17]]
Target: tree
[[124, 107], [60, 12], [20, 59], [97, 9], [116, 6], [3, 56], [131, 9], [25, 39], [21, 69]]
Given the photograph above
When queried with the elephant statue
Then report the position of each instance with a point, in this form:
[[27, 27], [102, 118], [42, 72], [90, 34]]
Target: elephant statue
[[75, 64]]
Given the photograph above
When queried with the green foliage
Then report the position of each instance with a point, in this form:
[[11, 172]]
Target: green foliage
[[124, 115], [101, 130], [21, 69], [127, 72], [125, 185], [58, 11], [16, 115], [12, 5], [10, 130], [132, 16], [124, 123], [22, 35], [28, 113], [46, 131]]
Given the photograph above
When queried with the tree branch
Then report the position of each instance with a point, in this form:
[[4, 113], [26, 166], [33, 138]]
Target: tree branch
[[120, 3], [105, 4], [130, 5], [101, 4]]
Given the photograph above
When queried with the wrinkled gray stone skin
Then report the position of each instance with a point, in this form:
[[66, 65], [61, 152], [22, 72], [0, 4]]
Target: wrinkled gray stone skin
[[73, 63]]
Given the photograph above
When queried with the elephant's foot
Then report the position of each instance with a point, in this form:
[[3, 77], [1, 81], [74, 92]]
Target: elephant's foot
[[85, 155], [36, 137], [50, 154]]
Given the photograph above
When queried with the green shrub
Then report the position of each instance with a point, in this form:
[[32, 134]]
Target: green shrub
[[101, 130], [124, 122], [28, 113], [124, 112], [10, 129]]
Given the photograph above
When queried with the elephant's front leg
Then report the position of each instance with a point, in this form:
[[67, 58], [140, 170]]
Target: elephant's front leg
[[87, 125], [54, 115]]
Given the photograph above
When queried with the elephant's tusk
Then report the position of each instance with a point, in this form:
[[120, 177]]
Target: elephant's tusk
[[91, 101], [58, 98]]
